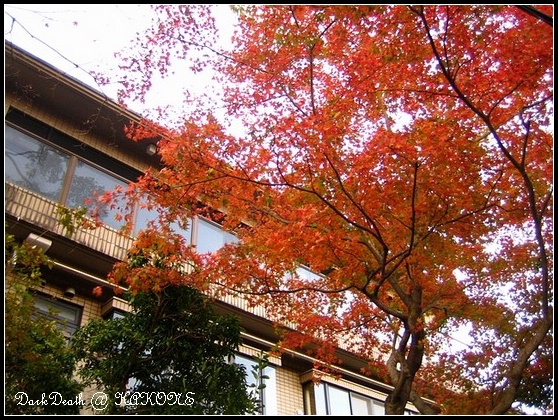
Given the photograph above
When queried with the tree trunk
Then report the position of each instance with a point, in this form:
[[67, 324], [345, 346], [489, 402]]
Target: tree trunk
[[522, 360], [404, 376]]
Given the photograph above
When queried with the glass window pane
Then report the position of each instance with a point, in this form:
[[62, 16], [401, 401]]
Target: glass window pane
[[319, 394], [379, 408], [269, 397], [250, 380], [85, 182], [34, 165], [247, 363], [68, 317], [361, 405], [144, 216], [339, 403], [306, 274], [270, 391], [211, 237], [186, 233], [114, 314]]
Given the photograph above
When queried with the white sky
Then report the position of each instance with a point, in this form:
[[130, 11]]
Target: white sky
[[86, 35], [77, 38]]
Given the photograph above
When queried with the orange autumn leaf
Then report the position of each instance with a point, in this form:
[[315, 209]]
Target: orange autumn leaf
[[97, 291]]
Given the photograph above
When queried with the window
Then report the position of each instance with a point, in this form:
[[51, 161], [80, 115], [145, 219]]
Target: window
[[339, 401], [114, 314], [306, 274], [211, 237], [66, 315], [362, 405], [268, 395], [33, 165], [55, 166], [87, 181], [49, 163], [325, 399], [144, 216]]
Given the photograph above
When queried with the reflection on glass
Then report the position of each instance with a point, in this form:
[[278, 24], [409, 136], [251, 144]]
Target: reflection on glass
[[144, 216], [361, 405], [67, 317], [211, 237], [339, 401], [379, 408], [85, 183], [319, 394], [269, 399], [34, 165], [306, 274]]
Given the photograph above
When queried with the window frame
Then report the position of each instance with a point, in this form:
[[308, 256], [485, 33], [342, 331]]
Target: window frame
[[77, 153], [201, 222], [317, 400], [268, 395], [67, 327]]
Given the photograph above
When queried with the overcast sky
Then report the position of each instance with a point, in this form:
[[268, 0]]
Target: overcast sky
[[74, 37], [77, 38]]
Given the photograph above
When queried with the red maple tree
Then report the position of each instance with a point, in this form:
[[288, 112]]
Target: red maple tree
[[401, 153]]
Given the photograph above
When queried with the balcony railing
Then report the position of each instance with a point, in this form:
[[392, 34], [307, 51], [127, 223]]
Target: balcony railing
[[42, 212]]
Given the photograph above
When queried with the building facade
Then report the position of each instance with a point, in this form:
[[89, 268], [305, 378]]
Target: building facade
[[63, 142]]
